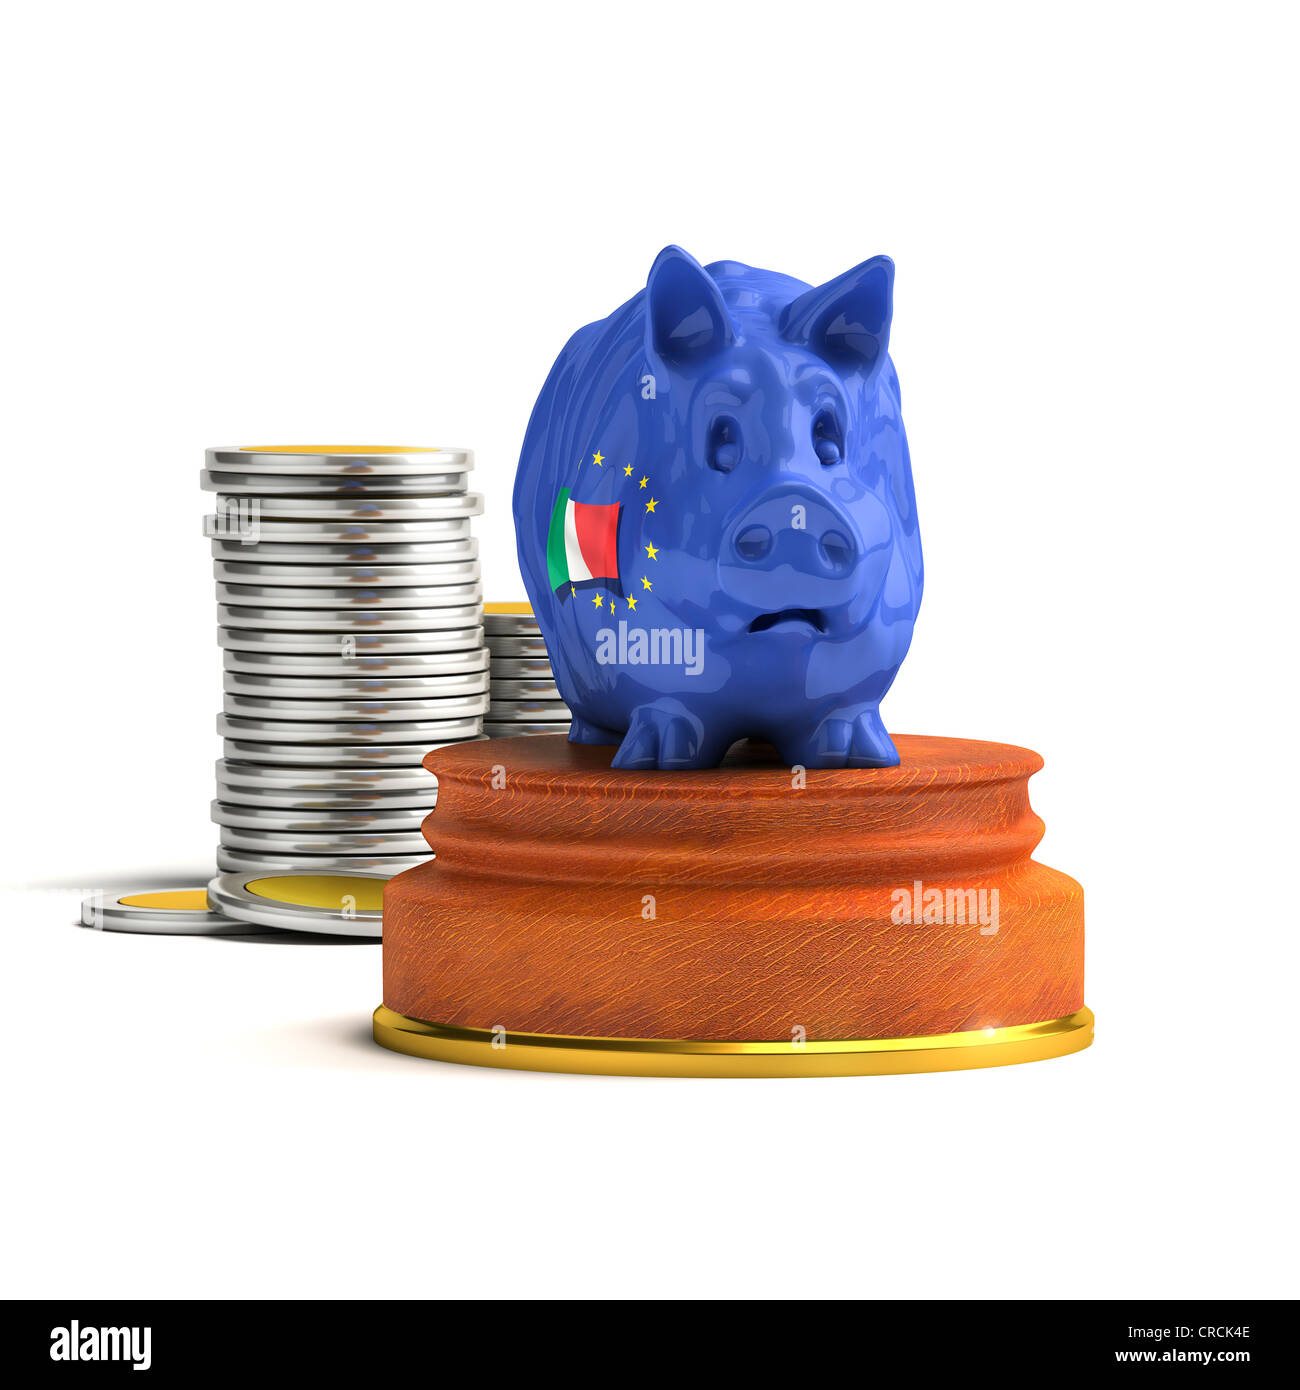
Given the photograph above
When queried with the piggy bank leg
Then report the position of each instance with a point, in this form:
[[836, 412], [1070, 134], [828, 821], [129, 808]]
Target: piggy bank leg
[[665, 734], [581, 731], [850, 737]]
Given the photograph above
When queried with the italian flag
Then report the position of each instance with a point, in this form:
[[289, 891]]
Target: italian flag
[[582, 545]]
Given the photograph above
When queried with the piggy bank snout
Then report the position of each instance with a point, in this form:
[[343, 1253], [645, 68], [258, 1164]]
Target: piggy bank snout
[[795, 551], [794, 527]]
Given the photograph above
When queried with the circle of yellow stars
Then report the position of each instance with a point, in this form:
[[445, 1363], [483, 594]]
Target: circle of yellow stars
[[652, 553]]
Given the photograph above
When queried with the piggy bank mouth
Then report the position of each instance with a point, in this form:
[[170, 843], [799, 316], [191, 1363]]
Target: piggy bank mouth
[[790, 618]]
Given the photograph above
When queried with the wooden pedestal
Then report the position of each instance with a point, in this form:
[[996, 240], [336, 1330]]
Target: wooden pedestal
[[751, 920]]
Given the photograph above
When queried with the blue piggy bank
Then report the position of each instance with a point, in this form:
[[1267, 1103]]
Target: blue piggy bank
[[716, 521]]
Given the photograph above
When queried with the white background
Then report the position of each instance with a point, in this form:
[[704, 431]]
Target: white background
[[257, 223]]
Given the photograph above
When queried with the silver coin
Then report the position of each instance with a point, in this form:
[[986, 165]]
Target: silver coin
[[516, 688], [500, 621], [344, 577], [335, 713], [367, 554], [352, 645], [522, 647], [359, 665], [342, 821], [346, 733], [318, 806], [245, 523], [513, 729], [363, 510], [531, 711], [521, 668], [348, 462], [144, 912], [330, 801], [264, 485], [458, 596], [455, 620], [337, 756], [249, 778], [336, 842], [382, 688], [276, 900], [238, 861]]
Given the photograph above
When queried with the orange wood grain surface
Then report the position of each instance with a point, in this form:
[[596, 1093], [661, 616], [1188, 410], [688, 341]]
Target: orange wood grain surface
[[772, 900]]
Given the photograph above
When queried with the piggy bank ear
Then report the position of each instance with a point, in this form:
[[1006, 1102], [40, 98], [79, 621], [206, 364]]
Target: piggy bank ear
[[686, 318], [847, 319]]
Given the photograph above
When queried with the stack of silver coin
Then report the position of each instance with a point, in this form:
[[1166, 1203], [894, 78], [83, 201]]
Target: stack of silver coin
[[524, 695], [350, 617]]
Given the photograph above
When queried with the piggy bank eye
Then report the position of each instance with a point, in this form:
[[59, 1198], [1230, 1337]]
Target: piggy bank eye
[[828, 438], [724, 444]]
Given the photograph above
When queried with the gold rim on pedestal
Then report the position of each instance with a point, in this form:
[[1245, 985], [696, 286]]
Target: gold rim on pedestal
[[481, 1047]]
